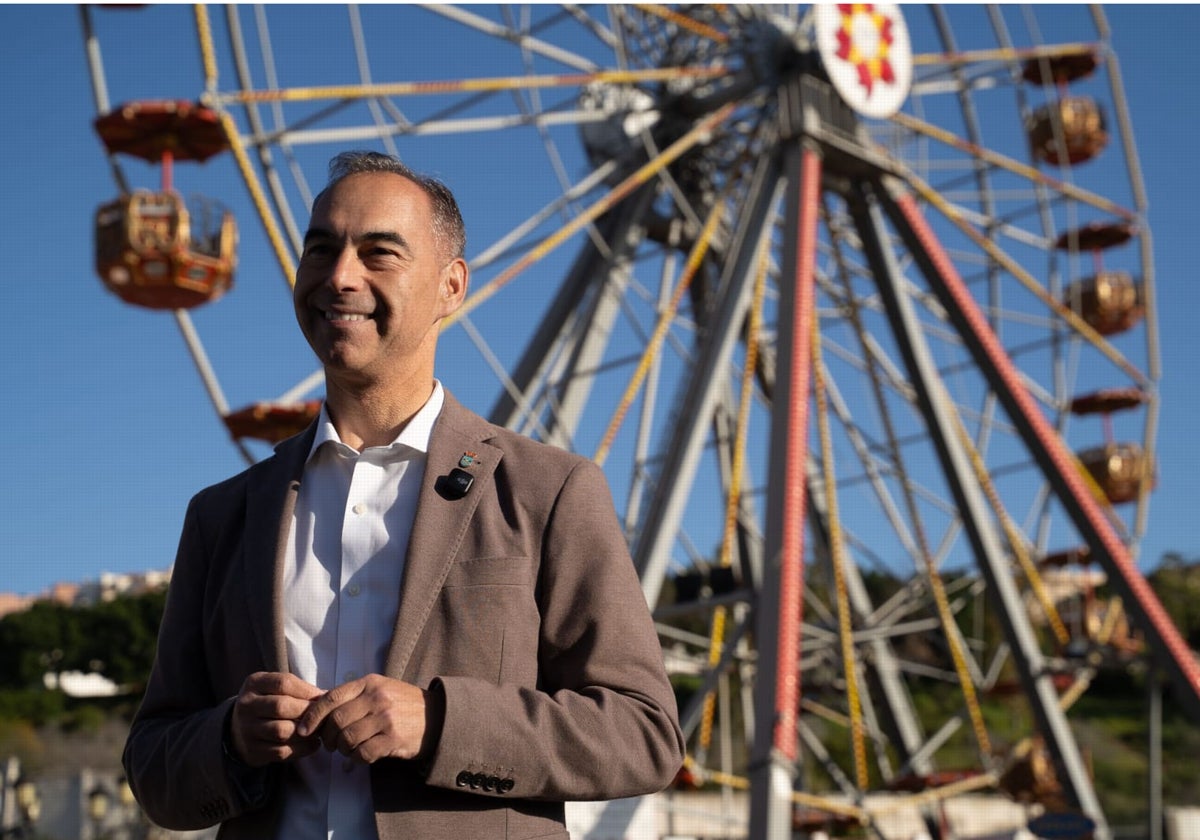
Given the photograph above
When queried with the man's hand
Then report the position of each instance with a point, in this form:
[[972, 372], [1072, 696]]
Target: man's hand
[[376, 717], [263, 724]]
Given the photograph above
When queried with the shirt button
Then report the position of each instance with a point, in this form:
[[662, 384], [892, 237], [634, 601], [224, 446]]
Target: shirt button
[[359, 508], [353, 589]]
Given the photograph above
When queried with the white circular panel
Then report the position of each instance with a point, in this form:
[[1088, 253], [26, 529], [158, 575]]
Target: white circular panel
[[866, 50]]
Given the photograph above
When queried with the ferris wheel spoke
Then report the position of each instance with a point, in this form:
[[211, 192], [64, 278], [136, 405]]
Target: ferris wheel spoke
[[266, 161], [884, 666], [95, 63], [303, 387], [364, 76], [982, 154], [534, 105], [504, 246], [617, 194], [525, 42], [1014, 268]]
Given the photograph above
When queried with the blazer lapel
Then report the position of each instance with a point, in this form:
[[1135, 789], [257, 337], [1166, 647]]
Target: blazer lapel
[[442, 520], [270, 502]]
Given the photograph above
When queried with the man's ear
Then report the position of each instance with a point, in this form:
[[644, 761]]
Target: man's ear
[[454, 281]]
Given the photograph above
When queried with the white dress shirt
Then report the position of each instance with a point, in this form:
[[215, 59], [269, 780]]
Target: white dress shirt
[[349, 536]]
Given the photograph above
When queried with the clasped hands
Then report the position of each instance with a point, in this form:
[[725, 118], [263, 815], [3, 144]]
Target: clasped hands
[[278, 717]]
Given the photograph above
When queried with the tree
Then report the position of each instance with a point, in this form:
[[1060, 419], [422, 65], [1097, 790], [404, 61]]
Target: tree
[[115, 638], [1177, 583]]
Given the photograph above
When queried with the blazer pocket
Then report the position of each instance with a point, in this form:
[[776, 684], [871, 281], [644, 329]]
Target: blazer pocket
[[490, 571], [486, 622]]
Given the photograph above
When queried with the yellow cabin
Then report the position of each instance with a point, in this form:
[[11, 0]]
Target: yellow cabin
[[150, 253], [1081, 122]]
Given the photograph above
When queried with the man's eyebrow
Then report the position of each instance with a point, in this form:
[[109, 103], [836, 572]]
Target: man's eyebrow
[[386, 236], [316, 233], [371, 236]]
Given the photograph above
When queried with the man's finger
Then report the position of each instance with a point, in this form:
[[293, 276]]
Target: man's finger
[[271, 707], [323, 706], [275, 683]]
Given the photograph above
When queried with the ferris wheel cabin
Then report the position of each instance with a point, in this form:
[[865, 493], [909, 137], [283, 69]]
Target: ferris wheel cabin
[[148, 253], [152, 250], [1071, 129], [1109, 301], [271, 422]]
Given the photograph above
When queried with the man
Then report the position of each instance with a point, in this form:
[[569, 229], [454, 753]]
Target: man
[[407, 623]]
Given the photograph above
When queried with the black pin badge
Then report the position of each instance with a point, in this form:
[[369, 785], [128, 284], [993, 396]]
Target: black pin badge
[[459, 481]]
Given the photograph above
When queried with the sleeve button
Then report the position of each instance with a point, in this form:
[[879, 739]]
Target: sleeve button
[[463, 779]]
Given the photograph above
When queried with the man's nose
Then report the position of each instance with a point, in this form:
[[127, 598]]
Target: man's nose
[[345, 273]]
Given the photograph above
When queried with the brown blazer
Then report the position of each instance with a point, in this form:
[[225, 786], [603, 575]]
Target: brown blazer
[[519, 597]]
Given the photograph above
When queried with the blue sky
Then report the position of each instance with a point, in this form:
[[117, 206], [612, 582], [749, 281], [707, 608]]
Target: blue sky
[[107, 429]]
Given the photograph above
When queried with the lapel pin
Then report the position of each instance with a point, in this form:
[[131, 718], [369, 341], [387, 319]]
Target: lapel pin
[[468, 459]]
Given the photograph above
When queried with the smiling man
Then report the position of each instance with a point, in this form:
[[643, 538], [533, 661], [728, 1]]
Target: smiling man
[[408, 622]]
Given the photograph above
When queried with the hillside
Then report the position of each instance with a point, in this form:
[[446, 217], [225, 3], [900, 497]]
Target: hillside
[[54, 734]]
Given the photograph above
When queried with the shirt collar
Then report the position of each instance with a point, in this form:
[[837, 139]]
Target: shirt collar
[[414, 435]]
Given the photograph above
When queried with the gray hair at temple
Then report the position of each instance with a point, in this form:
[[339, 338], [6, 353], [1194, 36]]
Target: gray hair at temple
[[448, 225]]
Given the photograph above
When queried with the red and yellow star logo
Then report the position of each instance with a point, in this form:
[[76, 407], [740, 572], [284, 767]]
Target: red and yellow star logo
[[864, 40]]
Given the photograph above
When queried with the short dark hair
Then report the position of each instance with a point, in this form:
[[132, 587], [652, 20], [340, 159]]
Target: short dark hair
[[448, 227]]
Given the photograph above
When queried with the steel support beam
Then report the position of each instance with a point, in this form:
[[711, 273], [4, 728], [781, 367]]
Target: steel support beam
[[976, 517], [694, 417], [1057, 463], [774, 757]]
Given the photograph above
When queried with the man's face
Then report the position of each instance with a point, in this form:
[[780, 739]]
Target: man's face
[[372, 284]]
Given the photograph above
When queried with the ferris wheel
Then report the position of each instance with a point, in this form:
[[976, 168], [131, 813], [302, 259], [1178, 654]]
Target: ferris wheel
[[855, 306]]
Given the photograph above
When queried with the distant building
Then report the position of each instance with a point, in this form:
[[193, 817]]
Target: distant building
[[89, 593], [63, 593], [11, 603]]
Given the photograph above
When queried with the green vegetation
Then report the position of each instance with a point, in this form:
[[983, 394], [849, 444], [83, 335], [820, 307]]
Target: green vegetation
[[115, 639], [1111, 720]]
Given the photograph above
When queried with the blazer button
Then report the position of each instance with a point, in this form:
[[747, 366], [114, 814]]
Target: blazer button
[[506, 785], [462, 779]]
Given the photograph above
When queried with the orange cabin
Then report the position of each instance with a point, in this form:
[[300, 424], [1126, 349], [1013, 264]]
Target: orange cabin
[[1081, 123], [1109, 400], [1096, 236], [1060, 69], [148, 254], [271, 422], [1031, 778], [163, 131], [1119, 469], [1110, 302]]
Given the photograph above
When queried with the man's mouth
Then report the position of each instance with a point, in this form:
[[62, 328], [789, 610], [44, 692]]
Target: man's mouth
[[346, 316]]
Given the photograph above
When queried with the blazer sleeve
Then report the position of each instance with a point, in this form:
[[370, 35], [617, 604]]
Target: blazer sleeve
[[601, 722], [175, 758]]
